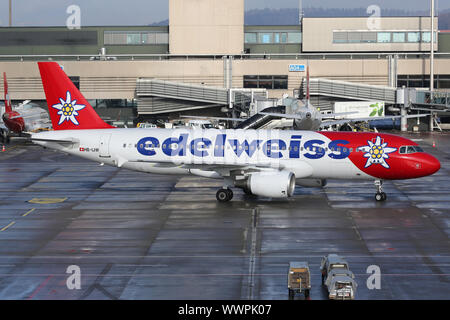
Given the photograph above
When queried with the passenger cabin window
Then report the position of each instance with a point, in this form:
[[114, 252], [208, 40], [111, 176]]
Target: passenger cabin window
[[410, 149]]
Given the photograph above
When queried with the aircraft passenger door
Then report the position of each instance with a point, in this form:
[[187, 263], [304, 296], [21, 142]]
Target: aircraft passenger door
[[104, 146]]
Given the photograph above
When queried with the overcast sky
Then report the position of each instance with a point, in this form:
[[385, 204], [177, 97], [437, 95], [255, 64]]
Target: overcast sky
[[144, 12]]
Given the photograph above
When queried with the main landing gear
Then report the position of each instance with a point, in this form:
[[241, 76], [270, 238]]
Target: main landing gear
[[380, 195], [224, 195]]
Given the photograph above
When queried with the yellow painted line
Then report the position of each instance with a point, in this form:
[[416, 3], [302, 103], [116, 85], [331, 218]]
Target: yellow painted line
[[9, 225], [30, 211], [47, 200]]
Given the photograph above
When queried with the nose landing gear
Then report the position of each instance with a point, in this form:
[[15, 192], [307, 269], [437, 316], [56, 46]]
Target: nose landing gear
[[224, 195], [380, 195]]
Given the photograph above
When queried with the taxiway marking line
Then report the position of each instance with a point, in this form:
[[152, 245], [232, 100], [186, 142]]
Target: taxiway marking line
[[28, 212], [9, 225], [40, 287]]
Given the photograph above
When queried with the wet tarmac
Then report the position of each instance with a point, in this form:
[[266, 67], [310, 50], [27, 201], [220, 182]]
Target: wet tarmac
[[143, 236]]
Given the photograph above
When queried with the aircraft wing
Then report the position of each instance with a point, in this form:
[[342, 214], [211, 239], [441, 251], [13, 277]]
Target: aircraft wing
[[334, 115], [214, 118], [283, 115], [343, 121]]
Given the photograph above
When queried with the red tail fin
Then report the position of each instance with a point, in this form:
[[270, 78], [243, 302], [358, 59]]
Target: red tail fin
[[67, 107], [8, 107]]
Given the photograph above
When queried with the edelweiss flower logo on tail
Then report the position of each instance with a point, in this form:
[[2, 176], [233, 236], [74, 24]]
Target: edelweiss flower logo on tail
[[377, 153], [68, 109]]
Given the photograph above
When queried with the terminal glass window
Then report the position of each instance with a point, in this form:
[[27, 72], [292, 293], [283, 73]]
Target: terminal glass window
[[276, 38], [413, 36], [426, 37], [340, 37], [251, 82], [161, 38], [421, 81], [265, 82], [76, 81], [443, 81], [383, 37], [280, 37], [398, 37], [277, 82], [369, 37], [251, 37], [135, 38], [149, 38], [354, 37], [265, 37], [295, 37]]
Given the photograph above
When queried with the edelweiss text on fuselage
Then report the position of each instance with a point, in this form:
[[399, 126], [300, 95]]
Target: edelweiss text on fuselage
[[272, 148]]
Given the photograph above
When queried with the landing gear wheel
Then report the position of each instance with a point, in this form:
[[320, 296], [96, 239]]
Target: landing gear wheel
[[380, 196], [230, 194], [224, 195]]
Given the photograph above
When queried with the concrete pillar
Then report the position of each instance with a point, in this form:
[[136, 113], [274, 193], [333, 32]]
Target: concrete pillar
[[431, 122], [403, 111]]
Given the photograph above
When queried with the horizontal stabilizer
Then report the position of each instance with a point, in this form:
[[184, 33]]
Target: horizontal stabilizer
[[69, 140]]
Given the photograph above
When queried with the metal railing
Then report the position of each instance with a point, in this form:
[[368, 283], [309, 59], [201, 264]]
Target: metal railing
[[249, 56]]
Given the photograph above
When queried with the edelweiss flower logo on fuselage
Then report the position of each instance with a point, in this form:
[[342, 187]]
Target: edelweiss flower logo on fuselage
[[68, 109], [377, 153]]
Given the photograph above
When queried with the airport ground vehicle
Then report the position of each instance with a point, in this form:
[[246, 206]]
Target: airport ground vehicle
[[299, 279], [341, 288], [332, 261], [338, 278], [144, 125], [341, 284]]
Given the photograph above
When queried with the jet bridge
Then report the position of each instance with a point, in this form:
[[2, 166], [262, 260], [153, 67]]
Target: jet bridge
[[436, 103], [156, 96], [325, 92]]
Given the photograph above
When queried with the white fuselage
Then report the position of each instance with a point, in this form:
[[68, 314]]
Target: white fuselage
[[209, 152]]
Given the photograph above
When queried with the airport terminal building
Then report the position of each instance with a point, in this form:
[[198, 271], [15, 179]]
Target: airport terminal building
[[207, 49]]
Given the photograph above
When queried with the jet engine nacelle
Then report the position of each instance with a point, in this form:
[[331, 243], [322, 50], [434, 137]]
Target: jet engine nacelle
[[271, 184], [311, 183]]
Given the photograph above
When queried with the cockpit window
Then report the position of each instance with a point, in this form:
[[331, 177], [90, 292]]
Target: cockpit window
[[410, 149]]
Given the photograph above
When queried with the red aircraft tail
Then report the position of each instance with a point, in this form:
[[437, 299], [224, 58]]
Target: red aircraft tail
[[67, 107], [8, 107]]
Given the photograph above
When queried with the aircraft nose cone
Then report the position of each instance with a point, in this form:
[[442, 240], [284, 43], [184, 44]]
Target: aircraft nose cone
[[430, 164]]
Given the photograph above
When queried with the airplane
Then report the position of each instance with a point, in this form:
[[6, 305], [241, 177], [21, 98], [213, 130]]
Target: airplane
[[24, 118], [268, 163]]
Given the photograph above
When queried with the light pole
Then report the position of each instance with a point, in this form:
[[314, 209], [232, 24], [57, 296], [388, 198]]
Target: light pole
[[432, 49], [432, 63], [10, 13]]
